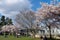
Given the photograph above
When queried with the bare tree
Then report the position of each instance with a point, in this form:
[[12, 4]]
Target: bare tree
[[26, 20]]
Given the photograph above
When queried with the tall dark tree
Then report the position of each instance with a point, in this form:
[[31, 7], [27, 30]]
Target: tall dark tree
[[3, 20], [9, 21]]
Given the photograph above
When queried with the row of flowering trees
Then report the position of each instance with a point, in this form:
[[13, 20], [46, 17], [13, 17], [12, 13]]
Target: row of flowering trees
[[50, 13]]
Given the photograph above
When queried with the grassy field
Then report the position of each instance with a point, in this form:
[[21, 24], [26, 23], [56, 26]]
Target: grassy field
[[14, 38], [21, 38]]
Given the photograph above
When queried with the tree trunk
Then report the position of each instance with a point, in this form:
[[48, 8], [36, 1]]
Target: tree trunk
[[50, 32], [27, 32], [33, 34]]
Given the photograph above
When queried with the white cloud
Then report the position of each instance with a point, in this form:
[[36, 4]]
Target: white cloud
[[9, 2], [10, 8]]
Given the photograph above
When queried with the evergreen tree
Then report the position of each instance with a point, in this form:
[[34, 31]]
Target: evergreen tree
[[3, 21], [8, 21]]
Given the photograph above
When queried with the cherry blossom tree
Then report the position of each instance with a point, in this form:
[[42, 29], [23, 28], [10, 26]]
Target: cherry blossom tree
[[50, 13]]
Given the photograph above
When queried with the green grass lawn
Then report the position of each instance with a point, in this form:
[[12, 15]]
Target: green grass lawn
[[21, 38], [14, 38]]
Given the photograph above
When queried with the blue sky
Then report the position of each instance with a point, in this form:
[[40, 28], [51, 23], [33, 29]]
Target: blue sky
[[36, 3], [10, 8]]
